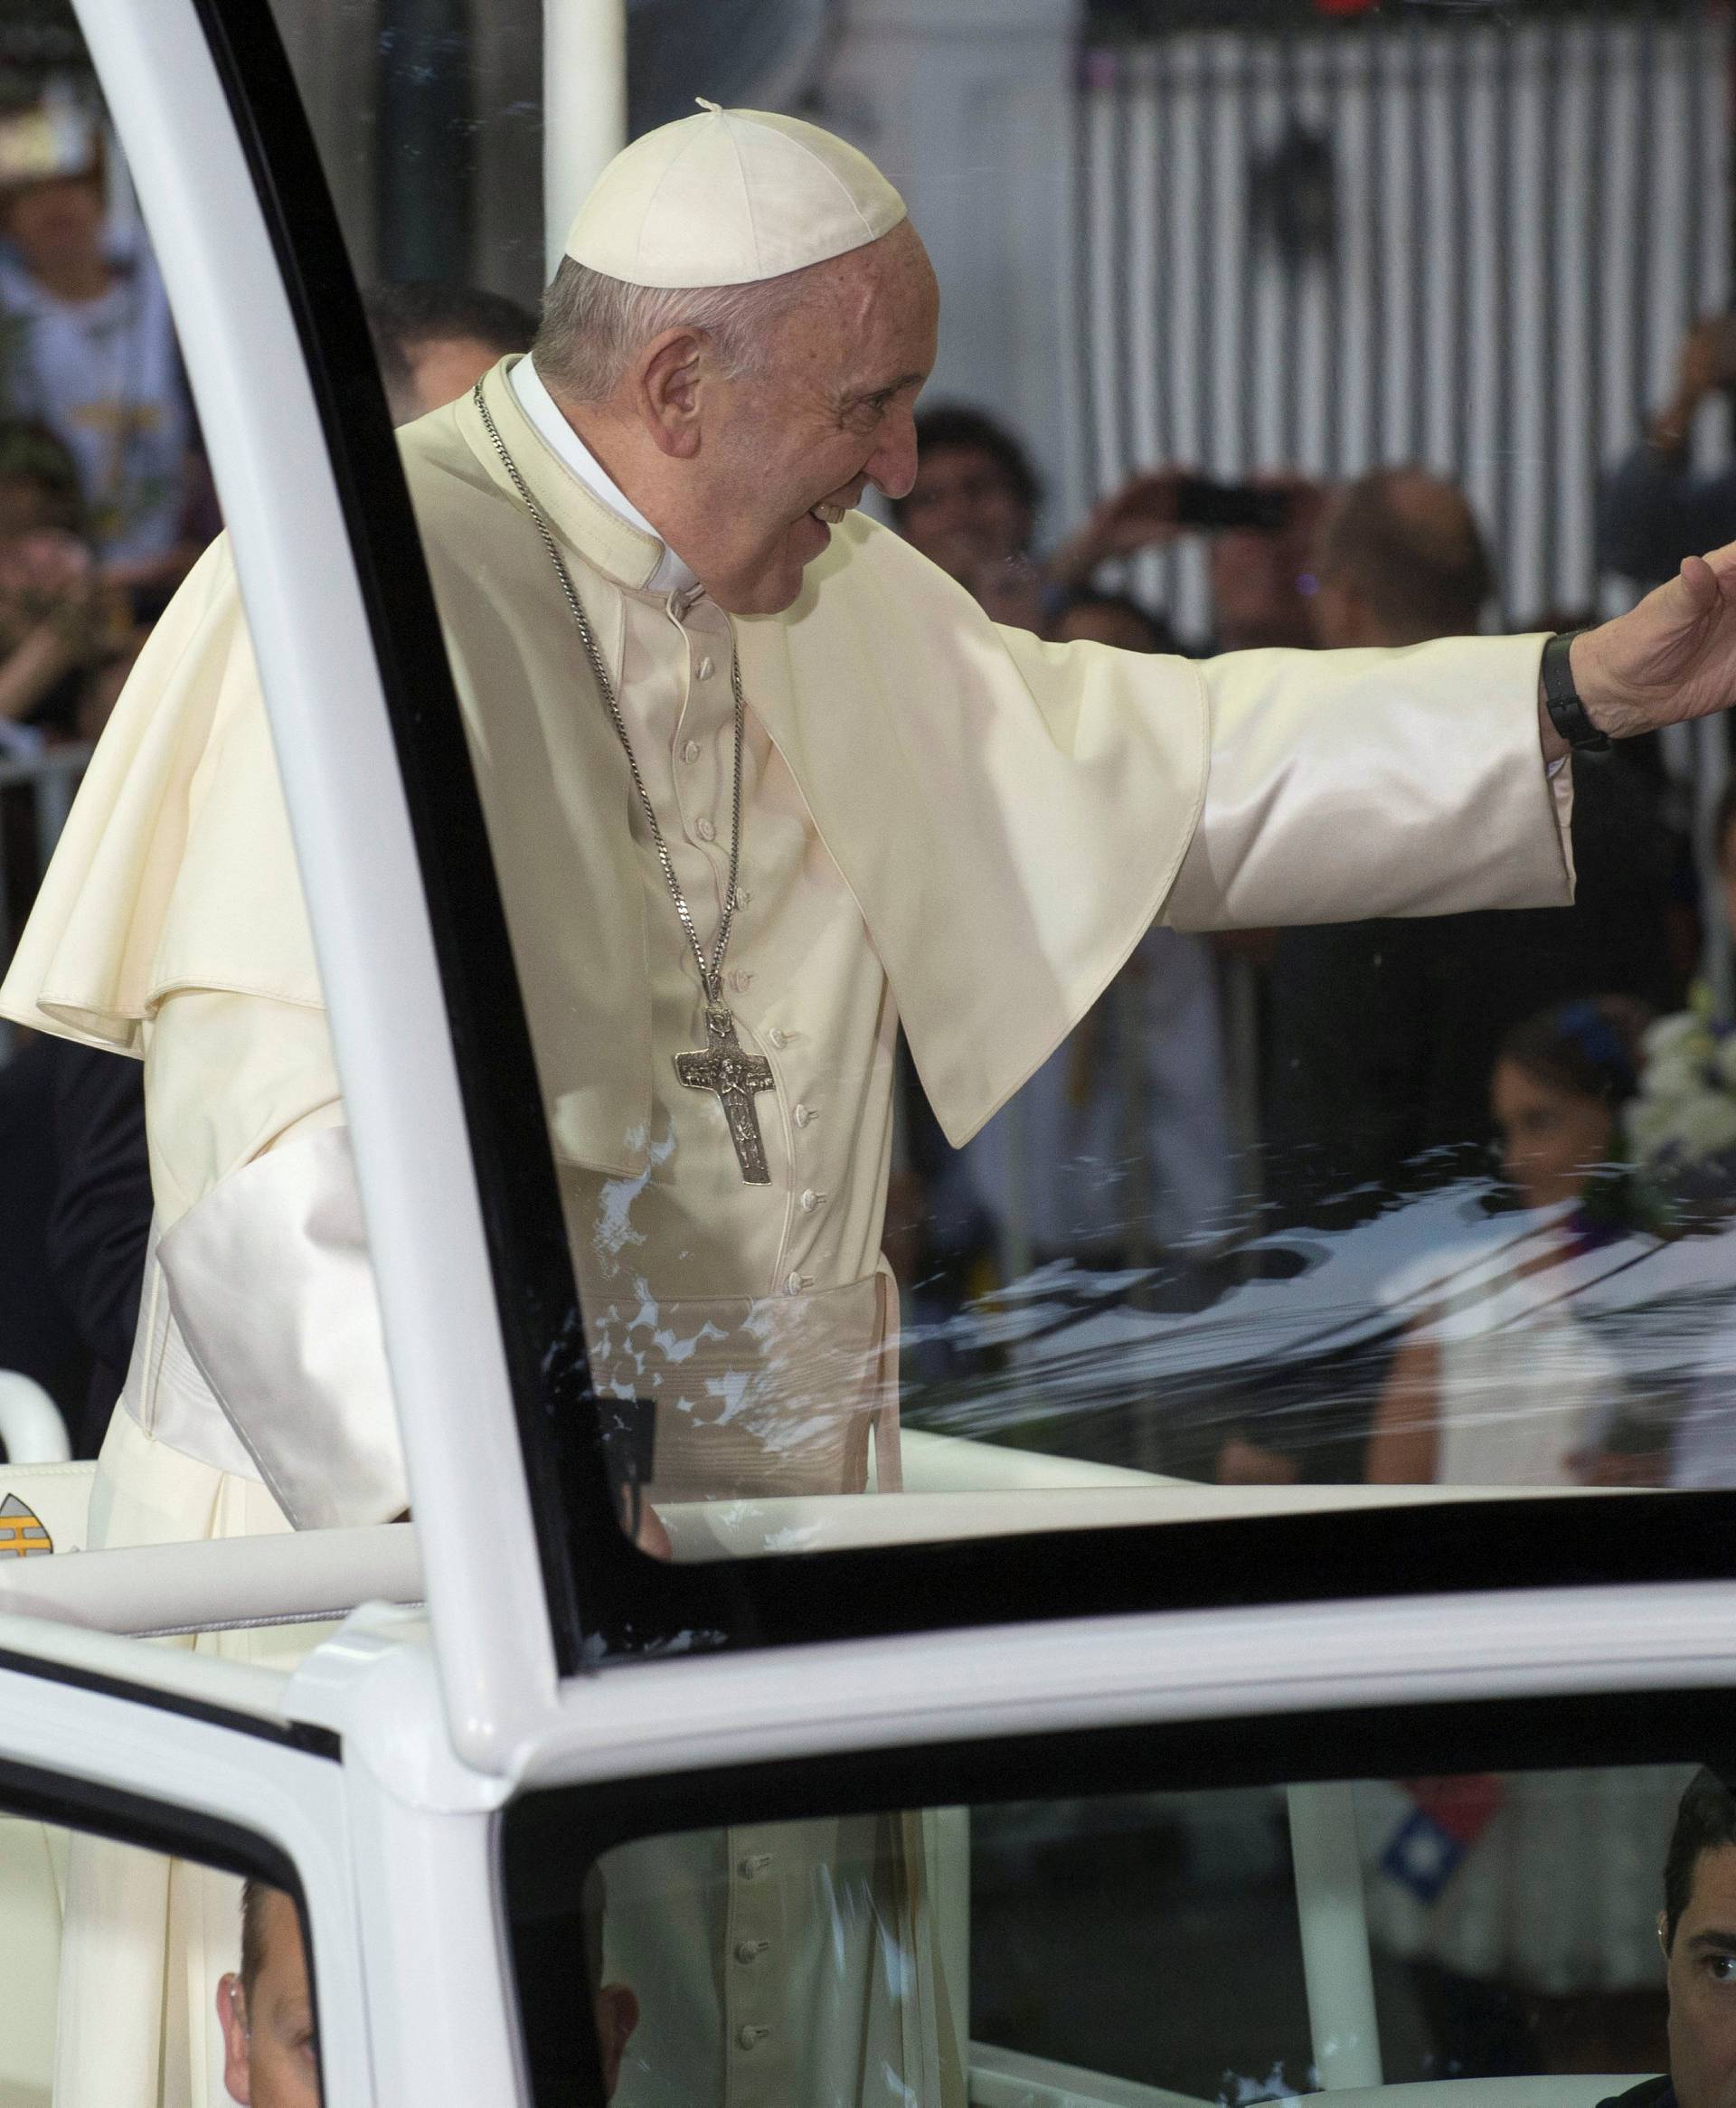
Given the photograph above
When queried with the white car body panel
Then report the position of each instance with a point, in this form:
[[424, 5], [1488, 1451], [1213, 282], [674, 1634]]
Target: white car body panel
[[364, 886]]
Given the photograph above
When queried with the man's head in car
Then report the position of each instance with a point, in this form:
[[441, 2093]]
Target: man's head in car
[[435, 341], [271, 2058], [1697, 1926], [615, 2006]]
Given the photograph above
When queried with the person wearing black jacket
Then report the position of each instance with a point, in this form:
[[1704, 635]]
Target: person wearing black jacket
[[1697, 1931], [76, 1226]]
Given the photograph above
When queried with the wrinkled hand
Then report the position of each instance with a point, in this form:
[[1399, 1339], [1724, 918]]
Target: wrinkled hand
[[1671, 658]]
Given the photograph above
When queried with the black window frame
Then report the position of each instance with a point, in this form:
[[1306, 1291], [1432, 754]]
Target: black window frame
[[551, 1838], [606, 1599]]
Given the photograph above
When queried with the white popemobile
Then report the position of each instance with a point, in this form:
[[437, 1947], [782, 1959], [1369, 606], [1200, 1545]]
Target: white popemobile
[[506, 1695]]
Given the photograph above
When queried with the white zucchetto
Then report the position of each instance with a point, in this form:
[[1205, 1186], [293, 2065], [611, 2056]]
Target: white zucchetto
[[728, 198]]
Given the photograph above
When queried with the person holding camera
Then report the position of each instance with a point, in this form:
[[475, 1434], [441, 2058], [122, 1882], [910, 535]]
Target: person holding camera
[[1260, 559], [1653, 508]]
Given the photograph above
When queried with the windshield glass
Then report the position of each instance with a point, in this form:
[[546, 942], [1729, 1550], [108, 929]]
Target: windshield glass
[[1061, 993], [1501, 1939]]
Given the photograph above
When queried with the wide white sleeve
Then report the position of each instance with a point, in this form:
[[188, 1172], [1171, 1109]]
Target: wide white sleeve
[[264, 1252], [1345, 785]]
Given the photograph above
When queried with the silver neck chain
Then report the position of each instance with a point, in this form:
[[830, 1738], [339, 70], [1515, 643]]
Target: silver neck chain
[[711, 973]]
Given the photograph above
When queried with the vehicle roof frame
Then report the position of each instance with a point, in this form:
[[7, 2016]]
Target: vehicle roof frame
[[293, 443]]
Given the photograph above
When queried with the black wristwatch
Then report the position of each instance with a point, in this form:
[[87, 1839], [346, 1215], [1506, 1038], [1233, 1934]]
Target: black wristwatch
[[1567, 714]]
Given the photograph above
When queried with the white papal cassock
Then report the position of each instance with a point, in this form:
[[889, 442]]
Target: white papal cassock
[[944, 823]]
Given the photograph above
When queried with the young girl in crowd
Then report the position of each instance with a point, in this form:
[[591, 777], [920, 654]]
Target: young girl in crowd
[[1501, 1383]]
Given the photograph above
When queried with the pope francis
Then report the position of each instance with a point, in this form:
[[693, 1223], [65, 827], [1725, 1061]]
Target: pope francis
[[762, 786]]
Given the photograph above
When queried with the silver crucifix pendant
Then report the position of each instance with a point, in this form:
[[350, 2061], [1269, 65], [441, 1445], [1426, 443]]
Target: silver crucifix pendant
[[735, 1076]]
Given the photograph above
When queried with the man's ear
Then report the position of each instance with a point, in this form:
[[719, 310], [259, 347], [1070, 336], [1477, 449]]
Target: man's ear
[[618, 2015], [667, 381], [231, 2012]]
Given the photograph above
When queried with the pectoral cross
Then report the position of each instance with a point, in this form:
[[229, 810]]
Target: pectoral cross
[[735, 1076]]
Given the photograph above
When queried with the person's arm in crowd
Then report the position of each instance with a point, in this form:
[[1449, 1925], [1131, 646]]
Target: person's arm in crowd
[[32, 670], [1404, 1444], [1140, 514], [99, 1223], [1652, 509], [52, 576]]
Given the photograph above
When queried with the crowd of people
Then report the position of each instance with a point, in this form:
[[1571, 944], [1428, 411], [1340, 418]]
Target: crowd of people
[[1378, 1060]]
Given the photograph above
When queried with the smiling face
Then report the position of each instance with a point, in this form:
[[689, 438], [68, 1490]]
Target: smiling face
[[746, 476], [1702, 1983]]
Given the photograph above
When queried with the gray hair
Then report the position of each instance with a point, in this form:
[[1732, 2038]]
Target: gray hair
[[592, 324]]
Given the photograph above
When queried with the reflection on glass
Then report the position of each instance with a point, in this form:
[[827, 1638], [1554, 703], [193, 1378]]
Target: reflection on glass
[[1326, 1202], [1563, 1929], [1383, 1201], [781, 1961]]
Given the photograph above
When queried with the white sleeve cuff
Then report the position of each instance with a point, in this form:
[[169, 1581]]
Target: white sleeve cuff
[[272, 1287]]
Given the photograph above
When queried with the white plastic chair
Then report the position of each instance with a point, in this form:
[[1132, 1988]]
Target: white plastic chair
[[30, 1426]]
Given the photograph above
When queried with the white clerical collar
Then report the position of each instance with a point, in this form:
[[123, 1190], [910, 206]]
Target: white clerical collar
[[672, 575]]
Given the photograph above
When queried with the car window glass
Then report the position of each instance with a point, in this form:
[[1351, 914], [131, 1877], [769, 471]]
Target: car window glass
[[1391, 1204], [1494, 1936]]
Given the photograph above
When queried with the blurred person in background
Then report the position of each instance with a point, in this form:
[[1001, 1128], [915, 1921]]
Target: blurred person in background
[[61, 625], [1383, 1033], [89, 351], [1360, 1031], [435, 342], [1502, 1385], [76, 1226], [1262, 577], [1262, 584], [1117, 620], [74, 1232], [1653, 507], [1518, 1958], [973, 510]]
